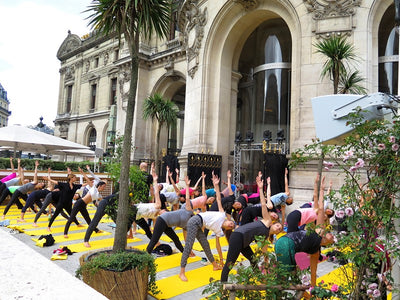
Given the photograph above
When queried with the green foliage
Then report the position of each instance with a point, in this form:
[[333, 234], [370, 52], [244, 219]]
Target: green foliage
[[268, 271], [368, 161], [323, 291], [339, 53], [119, 262]]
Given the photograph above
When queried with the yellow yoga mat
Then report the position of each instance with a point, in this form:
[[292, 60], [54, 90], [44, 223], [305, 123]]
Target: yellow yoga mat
[[98, 244], [55, 230], [172, 261], [173, 286], [212, 242], [74, 236], [165, 238]]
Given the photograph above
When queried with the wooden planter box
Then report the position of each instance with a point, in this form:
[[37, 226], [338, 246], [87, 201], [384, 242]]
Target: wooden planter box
[[129, 284]]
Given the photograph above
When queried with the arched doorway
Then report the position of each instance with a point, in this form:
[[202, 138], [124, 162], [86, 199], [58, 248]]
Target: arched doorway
[[175, 131], [263, 101], [388, 53], [92, 139]]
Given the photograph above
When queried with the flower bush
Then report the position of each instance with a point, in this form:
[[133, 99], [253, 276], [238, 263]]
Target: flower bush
[[368, 164]]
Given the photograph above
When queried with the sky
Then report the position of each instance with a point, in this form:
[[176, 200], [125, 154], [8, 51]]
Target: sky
[[31, 32]]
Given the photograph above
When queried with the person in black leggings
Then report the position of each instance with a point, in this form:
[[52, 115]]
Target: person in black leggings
[[67, 192], [170, 219], [242, 237]]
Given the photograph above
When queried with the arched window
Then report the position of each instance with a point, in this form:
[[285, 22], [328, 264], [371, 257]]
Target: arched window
[[264, 89], [388, 52], [92, 139]]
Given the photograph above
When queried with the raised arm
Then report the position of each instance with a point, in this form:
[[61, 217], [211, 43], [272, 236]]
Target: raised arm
[[321, 211], [167, 177], [287, 191], [198, 181], [203, 184], [89, 182], [265, 214], [157, 199], [35, 178], [12, 165], [229, 175], [217, 192], [315, 195], [188, 206], [177, 175], [177, 191], [96, 178]]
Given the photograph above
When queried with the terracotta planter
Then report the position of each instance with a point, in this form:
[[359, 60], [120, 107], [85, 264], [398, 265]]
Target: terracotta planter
[[129, 284]]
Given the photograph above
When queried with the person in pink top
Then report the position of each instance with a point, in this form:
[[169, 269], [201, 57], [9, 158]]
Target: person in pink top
[[303, 216], [9, 176]]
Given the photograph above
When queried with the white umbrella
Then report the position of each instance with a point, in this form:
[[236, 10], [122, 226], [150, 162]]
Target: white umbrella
[[21, 138]]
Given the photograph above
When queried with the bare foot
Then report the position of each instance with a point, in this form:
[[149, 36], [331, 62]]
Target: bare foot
[[86, 244], [192, 254], [21, 221], [183, 277], [65, 236], [130, 236], [48, 229], [35, 225], [100, 231], [80, 225], [3, 217]]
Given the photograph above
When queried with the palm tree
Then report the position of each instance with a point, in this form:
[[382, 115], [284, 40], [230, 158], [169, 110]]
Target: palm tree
[[129, 19], [164, 111], [337, 51], [349, 83]]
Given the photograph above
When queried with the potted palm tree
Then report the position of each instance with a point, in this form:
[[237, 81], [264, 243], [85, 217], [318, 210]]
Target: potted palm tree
[[128, 20]]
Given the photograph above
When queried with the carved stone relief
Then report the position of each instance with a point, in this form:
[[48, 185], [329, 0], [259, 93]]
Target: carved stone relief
[[124, 82], [247, 4], [71, 42], [194, 21], [64, 130], [332, 16], [69, 73]]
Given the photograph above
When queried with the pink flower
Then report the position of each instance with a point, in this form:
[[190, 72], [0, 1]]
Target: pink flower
[[395, 147], [376, 293], [369, 292], [349, 211], [339, 214], [334, 288], [353, 169], [347, 155], [360, 163], [392, 139], [381, 147], [328, 164], [373, 286]]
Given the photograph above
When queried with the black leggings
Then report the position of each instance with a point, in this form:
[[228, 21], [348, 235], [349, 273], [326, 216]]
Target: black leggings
[[15, 199], [235, 248], [100, 212], [60, 206], [145, 226], [79, 206], [53, 198], [250, 213], [3, 186], [33, 199], [293, 219], [161, 227]]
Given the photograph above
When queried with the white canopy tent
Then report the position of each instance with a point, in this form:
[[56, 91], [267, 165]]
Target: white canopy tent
[[20, 138]]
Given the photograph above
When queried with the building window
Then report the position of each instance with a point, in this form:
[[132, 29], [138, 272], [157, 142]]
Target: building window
[[93, 96], [113, 93], [69, 98], [92, 139], [96, 62], [116, 54], [388, 53]]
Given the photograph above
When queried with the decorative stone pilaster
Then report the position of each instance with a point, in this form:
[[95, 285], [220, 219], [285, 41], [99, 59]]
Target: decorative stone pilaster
[[332, 16], [192, 21]]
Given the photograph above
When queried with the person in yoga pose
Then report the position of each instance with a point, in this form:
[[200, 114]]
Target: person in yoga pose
[[22, 191], [302, 241], [242, 237], [212, 220], [176, 218]]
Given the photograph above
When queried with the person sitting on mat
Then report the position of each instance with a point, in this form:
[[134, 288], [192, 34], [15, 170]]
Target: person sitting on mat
[[244, 235], [302, 241], [212, 220]]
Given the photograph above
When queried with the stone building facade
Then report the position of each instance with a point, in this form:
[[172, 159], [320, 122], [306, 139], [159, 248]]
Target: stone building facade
[[230, 66], [4, 107]]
